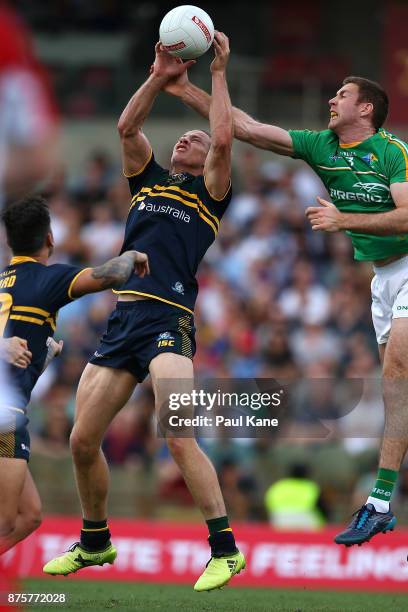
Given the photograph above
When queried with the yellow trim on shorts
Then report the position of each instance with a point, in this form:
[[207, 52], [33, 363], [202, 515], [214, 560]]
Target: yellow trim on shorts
[[7, 445], [155, 297]]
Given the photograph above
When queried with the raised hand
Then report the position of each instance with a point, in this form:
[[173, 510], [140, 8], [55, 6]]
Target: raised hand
[[222, 52], [176, 85], [167, 66]]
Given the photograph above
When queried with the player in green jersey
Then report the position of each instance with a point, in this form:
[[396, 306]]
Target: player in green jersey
[[365, 171]]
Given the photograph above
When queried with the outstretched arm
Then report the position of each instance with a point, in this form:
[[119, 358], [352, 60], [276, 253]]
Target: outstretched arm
[[247, 129], [217, 169], [110, 275], [328, 218], [136, 148]]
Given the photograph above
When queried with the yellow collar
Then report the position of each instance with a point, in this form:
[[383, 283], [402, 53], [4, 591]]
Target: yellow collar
[[21, 259], [351, 144]]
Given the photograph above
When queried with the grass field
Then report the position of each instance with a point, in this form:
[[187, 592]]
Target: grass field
[[128, 596]]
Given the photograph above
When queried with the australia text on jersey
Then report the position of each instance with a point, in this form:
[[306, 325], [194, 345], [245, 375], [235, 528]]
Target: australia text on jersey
[[165, 208]]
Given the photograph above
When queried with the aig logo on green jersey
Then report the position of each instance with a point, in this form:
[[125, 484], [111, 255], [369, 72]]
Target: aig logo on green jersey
[[375, 188], [370, 192]]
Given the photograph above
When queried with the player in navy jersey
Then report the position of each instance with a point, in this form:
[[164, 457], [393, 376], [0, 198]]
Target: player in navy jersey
[[175, 215], [31, 293]]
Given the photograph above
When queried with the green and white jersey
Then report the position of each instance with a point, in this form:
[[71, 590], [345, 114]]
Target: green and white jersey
[[358, 177]]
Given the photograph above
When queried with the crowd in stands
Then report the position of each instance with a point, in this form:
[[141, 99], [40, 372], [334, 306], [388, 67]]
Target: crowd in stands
[[276, 301]]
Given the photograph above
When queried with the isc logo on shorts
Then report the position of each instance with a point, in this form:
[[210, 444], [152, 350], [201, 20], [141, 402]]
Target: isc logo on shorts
[[165, 339]]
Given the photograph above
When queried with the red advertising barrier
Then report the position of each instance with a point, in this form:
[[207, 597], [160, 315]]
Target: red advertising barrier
[[151, 551]]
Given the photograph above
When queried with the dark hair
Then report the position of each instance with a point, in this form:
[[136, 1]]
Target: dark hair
[[370, 91], [27, 224]]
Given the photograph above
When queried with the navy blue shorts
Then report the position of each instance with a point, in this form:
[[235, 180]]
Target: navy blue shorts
[[140, 330], [14, 436]]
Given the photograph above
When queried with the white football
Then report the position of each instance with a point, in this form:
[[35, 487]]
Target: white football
[[187, 32]]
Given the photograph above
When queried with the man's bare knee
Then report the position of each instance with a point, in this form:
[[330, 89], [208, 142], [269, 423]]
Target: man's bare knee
[[180, 448], [83, 449], [32, 521], [7, 525], [32, 514]]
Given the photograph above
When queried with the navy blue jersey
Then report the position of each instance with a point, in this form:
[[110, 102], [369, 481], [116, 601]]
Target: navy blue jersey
[[173, 219], [30, 297]]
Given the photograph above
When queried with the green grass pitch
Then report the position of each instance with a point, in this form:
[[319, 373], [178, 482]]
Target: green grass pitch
[[120, 596]]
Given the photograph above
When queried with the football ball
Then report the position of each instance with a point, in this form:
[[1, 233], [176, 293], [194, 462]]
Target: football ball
[[187, 32]]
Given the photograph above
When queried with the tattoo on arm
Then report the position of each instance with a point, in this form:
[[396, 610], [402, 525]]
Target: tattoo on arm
[[115, 272]]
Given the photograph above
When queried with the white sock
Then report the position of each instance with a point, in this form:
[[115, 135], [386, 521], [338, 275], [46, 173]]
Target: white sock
[[379, 504]]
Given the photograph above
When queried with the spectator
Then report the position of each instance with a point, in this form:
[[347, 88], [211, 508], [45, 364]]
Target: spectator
[[295, 502], [28, 115], [103, 235]]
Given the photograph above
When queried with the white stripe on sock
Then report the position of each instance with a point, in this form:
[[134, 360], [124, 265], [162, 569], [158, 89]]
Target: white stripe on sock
[[379, 504]]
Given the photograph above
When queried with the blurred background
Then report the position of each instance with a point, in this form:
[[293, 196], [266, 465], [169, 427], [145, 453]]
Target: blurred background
[[276, 300]]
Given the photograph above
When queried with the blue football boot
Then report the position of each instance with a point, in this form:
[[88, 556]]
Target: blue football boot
[[367, 522]]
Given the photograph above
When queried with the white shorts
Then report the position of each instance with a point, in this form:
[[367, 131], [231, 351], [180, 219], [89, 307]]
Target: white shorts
[[389, 292]]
